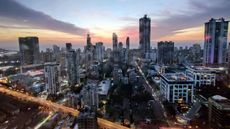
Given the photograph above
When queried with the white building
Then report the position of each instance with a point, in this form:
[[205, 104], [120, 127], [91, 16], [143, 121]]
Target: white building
[[103, 88], [177, 87], [52, 78], [202, 75]]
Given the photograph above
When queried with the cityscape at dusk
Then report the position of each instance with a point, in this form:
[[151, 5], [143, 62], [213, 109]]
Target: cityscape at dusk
[[114, 64], [56, 22]]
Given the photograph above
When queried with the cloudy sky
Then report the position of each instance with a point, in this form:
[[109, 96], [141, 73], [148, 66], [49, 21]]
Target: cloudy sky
[[61, 21]]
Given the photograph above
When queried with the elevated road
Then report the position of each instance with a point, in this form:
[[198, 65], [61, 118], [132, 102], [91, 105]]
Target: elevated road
[[104, 124]]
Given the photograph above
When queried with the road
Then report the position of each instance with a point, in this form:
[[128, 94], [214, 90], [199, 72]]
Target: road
[[159, 110], [105, 124]]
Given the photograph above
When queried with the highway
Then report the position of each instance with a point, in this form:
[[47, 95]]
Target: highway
[[104, 124], [159, 110]]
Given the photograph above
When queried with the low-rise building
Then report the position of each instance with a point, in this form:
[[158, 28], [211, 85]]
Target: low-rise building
[[219, 112], [202, 75], [177, 87]]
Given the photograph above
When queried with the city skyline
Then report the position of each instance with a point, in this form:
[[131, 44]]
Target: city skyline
[[72, 20]]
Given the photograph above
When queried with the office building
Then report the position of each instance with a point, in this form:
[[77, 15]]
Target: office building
[[99, 51], [87, 119], [68, 46], [177, 87], [215, 42], [72, 65], [127, 43], [165, 52], [120, 46], [56, 54], [52, 77], [202, 75], [219, 112], [90, 96], [115, 41], [29, 50], [144, 35]]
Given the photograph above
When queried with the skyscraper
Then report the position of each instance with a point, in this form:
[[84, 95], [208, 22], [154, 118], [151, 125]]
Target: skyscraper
[[115, 41], [88, 40], [72, 67], [29, 50], [144, 35], [52, 77], [120, 46], [68, 47], [215, 42], [127, 43], [165, 52], [99, 51]]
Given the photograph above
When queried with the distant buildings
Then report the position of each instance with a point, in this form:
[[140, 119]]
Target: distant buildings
[[219, 112], [145, 35], [215, 45], [99, 51], [115, 41], [165, 52], [72, 65], [177, 87], [56, 54], [127, 43], [29, 50], [52, 77]]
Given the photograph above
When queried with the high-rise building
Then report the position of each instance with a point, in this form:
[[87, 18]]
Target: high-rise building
[[215, 44], [115, 41], [88, 41], [127, 43], [219, 112], [56, 53], [90, 96], [99, 51], [144, 35], [87, 119], [229, 59], [29, 50], [52, 77], [72, 67], [165, 52], [68, 46], [120, 46]]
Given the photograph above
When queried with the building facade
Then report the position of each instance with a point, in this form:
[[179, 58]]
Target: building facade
[[177, 87], [99, 51], [52, 77], [215, 45], [29, 50], [219, 112], [145, 35], [165, 52], [115, 41], [72, 65]]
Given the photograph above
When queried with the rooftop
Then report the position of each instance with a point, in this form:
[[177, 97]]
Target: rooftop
[[103, 87], [206, 69], [221, 101], [176, 77]]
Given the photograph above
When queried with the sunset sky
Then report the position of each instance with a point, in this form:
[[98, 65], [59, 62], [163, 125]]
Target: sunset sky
[[61, 21]]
